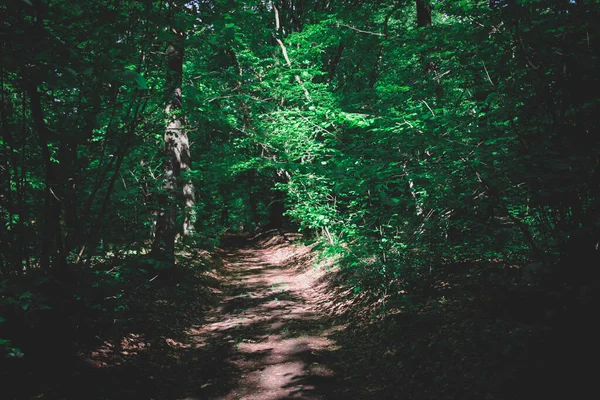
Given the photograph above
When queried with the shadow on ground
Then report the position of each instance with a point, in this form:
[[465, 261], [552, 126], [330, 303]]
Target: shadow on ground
[[474, 337], [270, 336], [263, 340], [276, 340]]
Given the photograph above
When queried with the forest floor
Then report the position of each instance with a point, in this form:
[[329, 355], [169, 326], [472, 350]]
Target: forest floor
[[252, 328], [268, 325], [269, 333]]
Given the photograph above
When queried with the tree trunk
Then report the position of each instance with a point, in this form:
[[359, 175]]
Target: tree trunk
[[176, 159], [252, 199], [285, 54], [375, 71], [423, 13], [52, 250], [277, 210]]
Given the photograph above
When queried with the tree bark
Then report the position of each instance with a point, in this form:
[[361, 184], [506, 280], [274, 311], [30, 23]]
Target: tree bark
[[375, 71], [52, 250], [285, 54], [423, 13], [176, 159]]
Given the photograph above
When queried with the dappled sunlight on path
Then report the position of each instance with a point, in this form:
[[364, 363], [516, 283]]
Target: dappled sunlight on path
[[271, 337]]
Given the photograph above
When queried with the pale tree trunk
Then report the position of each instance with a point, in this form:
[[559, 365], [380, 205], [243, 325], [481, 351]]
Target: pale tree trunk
[[176, 159], [285, 54]]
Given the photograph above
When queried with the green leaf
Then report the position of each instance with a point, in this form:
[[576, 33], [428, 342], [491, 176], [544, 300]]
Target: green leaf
[[141, 82], [135, 77]]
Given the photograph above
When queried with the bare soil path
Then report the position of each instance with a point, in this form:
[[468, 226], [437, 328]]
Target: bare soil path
[[268, 336]]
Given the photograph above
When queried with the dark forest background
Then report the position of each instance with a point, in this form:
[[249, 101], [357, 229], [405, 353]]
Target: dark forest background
[[412, 141]]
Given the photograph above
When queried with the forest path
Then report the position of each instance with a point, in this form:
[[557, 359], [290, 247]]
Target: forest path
[[267, 337]]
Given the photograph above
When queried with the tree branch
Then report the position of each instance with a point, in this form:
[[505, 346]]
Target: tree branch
[[285, 55], [361, 31]]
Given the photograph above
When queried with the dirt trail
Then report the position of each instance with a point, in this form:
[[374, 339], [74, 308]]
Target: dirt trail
[[268, 337]]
